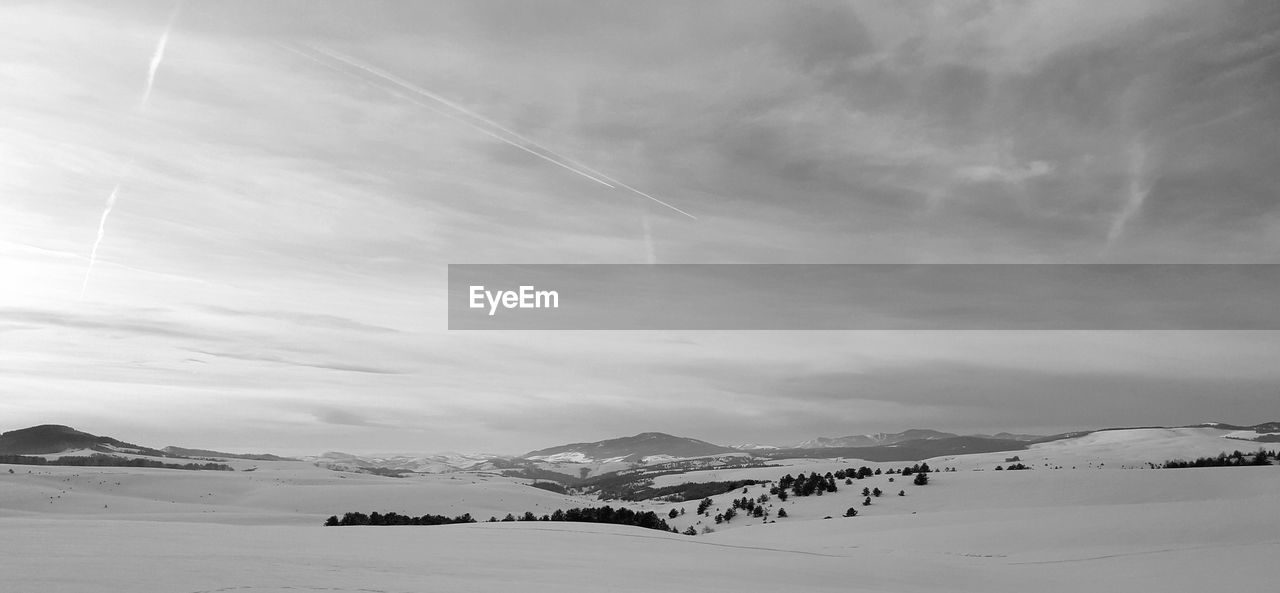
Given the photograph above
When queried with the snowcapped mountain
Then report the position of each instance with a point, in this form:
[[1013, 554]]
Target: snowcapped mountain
[[644, 447]]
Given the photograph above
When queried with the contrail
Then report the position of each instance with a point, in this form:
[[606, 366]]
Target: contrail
[[524, 142], [453, 117], [158, 56], [1139, 187], [559, 161], [651, 256], [102, 229], [152, 67]]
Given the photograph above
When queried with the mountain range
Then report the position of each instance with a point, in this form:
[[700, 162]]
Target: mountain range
[[646, 448]]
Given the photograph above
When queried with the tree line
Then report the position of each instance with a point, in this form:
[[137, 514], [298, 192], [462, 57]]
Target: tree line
[[104, 460], [605, 514], [1235, 459]]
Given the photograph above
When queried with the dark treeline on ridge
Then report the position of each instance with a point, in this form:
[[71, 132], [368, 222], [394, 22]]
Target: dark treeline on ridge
[[605, 514], [103, 460], [1234, 459], [687, 490]]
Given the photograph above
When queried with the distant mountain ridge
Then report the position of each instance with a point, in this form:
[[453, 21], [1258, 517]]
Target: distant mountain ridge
[[644, 448], [184, 452], [437, 463], [878, 439], [640, 447]]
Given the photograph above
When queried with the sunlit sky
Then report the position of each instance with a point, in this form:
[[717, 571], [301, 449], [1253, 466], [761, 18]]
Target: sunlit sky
[[271, 275]]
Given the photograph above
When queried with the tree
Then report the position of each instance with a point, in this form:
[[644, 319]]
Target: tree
[[782, 513], [673, 514], [921, 479], [877, 492], [691, 531], [508, 518], [704, 505], [866, 502], [902, 493], [332, 521], [852, 512]]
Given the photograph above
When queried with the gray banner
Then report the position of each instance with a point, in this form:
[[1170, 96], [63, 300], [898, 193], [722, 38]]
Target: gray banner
[[865, 297]]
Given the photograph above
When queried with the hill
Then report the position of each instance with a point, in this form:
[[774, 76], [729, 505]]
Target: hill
[[641, 447], [913, 450], [55, 438], [875, 439], [184, 452]]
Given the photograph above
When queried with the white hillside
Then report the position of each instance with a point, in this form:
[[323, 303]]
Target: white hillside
[[1097, 527]]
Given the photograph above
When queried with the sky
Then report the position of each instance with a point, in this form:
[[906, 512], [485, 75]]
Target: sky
[[271, 271]]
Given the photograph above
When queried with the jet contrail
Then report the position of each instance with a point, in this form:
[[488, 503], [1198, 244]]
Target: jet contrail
[[158, 56], [152, 67], [473, 117], [102, 231], [1139, 187], [651, 256], [453, 117]]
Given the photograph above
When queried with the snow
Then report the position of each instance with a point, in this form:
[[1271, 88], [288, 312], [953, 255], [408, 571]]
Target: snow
[[1097, 527]]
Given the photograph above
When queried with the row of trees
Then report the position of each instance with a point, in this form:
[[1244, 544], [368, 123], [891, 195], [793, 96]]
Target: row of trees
[[686, 491], [104, 460], [376, 518], [605, 514], [1235, 459]]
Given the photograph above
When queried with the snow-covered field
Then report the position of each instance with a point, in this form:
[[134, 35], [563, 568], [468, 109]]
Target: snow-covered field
[[1096, 527]]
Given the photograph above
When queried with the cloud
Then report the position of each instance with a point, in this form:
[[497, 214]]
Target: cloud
[[149, 325], [326, 365], [1014, 174], [299, 318], [303, 221]]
